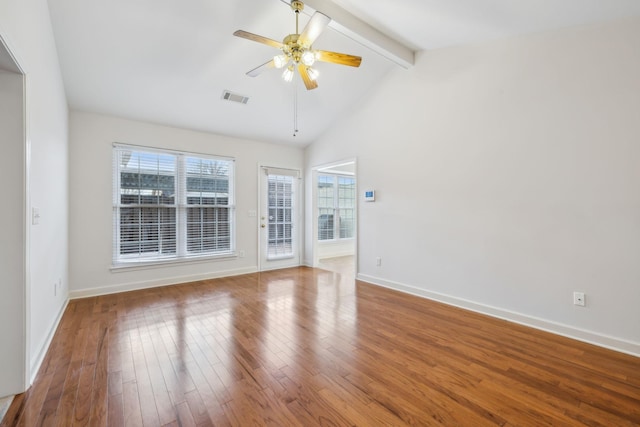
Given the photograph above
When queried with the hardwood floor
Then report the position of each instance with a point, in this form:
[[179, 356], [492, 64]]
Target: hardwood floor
[[306, 347], [345, 265]]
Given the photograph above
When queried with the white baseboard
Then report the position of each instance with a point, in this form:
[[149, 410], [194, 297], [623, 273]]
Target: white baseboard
[[36, 362], [337, 255], [165, 281], [590, 337]]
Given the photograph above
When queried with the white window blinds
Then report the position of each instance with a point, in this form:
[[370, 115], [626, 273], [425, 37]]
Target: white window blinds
[[281, 216], [171, 205]]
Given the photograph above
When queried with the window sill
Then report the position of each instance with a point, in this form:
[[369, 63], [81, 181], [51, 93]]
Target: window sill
[[280, 257], [335, 241], [151, 264]]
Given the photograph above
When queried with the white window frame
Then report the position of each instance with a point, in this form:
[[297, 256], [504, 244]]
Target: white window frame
[[181, 205]]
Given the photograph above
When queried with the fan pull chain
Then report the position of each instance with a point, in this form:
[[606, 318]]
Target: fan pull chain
[[295, 86], [295, 109]]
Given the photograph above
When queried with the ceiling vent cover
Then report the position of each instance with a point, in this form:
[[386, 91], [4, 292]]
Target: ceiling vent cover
[[234, 97]]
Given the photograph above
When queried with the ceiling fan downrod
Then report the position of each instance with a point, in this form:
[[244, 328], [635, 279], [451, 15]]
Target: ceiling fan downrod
[[297, 7]]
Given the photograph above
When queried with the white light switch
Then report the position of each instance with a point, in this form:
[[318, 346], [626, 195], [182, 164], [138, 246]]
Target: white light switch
[[35, 216], [253, 214]]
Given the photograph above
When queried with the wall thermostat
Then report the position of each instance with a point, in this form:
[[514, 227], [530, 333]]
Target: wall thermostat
[[370, 196]]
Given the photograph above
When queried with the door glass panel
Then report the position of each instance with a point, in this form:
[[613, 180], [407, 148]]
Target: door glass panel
[[280, 221]]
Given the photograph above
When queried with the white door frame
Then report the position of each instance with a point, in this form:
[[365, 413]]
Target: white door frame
[[298, 228], [19, 319], [314, 208]]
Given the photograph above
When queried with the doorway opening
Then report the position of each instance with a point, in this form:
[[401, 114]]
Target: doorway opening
[[335, 217]]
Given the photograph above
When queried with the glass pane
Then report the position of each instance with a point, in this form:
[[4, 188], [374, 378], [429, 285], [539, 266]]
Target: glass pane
[[325, 224], [207, 181], [147, 178], [326, 191], [347, 223], [346, 192], [346, 203], [208, 230], [280, 221], [147, 231]]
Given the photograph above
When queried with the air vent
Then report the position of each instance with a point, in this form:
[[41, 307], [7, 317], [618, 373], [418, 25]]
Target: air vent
[[234, 97]]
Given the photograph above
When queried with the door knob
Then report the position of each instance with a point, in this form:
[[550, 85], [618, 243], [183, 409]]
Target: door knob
[[262, 225]]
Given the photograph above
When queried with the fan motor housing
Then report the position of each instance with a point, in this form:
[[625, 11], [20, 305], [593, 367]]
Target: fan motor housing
[[292, 48], [297, 6]]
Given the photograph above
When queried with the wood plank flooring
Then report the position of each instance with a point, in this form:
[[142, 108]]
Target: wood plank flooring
[[345, 265], [307, 347]]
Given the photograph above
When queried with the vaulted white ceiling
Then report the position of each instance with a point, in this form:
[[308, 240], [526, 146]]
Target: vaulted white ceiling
[[169, 61]]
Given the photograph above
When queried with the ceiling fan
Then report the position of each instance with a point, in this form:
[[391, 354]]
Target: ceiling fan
[[297, 52]]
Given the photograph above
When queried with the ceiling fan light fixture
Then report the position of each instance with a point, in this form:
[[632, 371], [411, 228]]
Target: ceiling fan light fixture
[[308, 58], [296, 54], [313, 73], [280, 60], [287, 75]]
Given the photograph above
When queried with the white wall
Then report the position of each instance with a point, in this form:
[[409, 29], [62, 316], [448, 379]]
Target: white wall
[[336, 248], [91, 207], [26, 27], [509, 173], [12, 244]]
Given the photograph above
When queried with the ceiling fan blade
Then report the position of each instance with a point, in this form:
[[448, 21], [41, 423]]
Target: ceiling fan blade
[[258, 70], [259, 39], [338, 58], [314, 28], [310, 84]]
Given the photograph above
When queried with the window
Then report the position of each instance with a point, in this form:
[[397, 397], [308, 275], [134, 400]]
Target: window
[[171, 205], [336, 207]]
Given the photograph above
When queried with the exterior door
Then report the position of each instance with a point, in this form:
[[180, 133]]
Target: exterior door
[[279, 217]]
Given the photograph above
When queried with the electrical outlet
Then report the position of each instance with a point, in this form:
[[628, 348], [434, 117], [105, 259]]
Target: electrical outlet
[[378, 262], [241, 254], [55, 289], [579, 299]]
